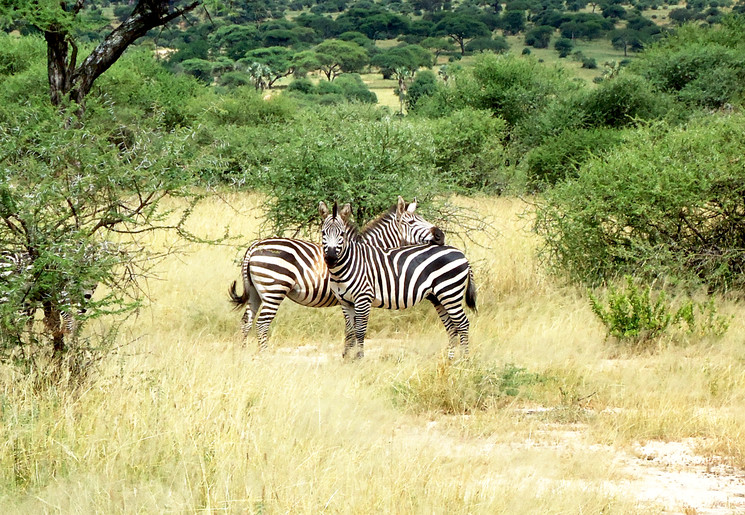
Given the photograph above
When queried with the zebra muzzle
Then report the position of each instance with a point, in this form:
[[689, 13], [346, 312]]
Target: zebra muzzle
[[438, 236], [331, 257]]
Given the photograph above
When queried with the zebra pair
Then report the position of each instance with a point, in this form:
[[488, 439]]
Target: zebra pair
[[364, 276], [277, 268]]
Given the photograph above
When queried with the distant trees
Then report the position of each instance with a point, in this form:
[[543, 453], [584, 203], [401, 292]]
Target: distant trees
[[405, 59], [333, 57], [278, 62], [539, 37], [461, 28]]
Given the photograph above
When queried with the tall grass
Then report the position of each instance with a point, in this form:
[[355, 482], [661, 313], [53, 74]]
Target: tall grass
[[185, 418]]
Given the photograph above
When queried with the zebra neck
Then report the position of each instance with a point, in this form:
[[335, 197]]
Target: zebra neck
[[347, 257]]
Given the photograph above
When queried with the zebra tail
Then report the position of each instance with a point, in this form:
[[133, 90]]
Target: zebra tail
[[241, 300], [237, 300], [471, 292]]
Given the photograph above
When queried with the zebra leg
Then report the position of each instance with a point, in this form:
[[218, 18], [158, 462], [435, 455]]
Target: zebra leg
[[69, 325], [266, 314], [361, 317], [449, 326], [254, 304], [349, 338], [460, 323], [246, 322]]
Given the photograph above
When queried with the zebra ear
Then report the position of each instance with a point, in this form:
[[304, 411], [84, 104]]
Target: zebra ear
[[323, 210], [412, 207], [401, 206], [346, 212]]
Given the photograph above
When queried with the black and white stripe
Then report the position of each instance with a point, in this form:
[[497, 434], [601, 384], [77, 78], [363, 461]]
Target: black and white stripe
[[277, 268], [18, 278], [363, 276]]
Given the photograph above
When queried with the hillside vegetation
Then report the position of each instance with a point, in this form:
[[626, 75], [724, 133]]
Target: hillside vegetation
[[604, 218]]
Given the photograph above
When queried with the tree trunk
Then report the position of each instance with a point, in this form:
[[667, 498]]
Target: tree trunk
[[66, 79], [53, 326]]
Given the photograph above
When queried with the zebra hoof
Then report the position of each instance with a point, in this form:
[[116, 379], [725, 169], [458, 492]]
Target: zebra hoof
[[360, 354]]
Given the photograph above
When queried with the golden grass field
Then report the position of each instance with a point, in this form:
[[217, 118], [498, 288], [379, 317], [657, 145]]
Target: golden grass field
[[185, 419]]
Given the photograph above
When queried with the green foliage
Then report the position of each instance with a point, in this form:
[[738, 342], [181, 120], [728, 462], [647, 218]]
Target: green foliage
[[701, 66], [424, 85], [464, 387], [243, 106], [561, 157], [200, 69], [666, 203], [348, 87], [470, 154], [334, 57], [632, 314], [347, 153], [138, 85], [564, 46], [621, 102], [66, 196], [497, 45], [637, 315], [17, 54], [401, 59], [511, 87], [539, 37]]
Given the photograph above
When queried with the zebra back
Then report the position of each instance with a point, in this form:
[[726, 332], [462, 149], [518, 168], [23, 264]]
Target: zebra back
[[400, 226]]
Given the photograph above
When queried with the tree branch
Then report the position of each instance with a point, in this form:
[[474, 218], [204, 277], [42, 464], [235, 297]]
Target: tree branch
[[145, 16]]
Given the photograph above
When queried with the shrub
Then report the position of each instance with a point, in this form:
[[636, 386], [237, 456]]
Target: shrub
[[637, 315], [243, 106], [469, 151], [668, 202], [347, 153], [423, 85], [353, 88], [701, 66], [67, 194], [18, 53], [464, 387], [511, 87], [561, 157], [620, 102]]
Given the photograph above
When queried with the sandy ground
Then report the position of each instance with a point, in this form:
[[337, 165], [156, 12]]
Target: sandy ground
[[667, 476], [671, 475]]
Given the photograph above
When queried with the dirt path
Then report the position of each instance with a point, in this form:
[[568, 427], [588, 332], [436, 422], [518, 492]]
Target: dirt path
[[671, 475], [661, 475]]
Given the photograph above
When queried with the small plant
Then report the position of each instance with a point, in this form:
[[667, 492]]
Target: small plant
[[635, 314], [464, 387], [632, 314]]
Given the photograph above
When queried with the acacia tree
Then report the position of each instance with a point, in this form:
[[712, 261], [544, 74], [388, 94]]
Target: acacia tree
[[334, 57], [58, 21], [69, 191], [277, 62], [76, 205], [461, 28]]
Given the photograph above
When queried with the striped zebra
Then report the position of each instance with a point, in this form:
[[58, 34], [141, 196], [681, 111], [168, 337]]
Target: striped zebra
[[17, 273], [363, 276], [277, 268]]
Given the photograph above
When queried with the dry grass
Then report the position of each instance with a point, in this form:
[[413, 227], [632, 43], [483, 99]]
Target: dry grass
[[186, 419]]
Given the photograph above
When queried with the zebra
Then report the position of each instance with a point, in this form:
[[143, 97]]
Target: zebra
[[277, 268], [364, 276], [19, 266]]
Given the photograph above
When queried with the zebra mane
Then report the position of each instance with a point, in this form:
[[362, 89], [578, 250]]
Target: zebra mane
[[369, 226]]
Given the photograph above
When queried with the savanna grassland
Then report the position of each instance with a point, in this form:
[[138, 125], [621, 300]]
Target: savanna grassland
[[546, 416]]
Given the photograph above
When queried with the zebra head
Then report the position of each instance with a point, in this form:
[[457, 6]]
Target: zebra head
[[334, 231], [414, 228]]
